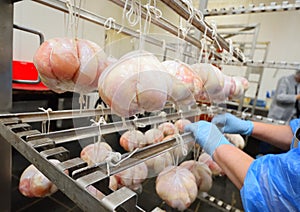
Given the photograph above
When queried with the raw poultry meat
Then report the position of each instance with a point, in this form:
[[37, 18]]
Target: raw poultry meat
[[181, 123], [134, 84], [167, 128], [95, 153], [213, 80], [201, 172], [66, 64], [133, 177], [157, 164], [212, 165], [34, 184], [192, 83], [153, 136], [133, 139], [219, 87], [177, 187], [236, 139]]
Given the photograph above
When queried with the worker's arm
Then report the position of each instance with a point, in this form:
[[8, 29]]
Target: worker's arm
[[234, 162], [277, 135]]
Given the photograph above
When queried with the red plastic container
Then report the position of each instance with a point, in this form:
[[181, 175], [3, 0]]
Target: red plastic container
[[26, 71]]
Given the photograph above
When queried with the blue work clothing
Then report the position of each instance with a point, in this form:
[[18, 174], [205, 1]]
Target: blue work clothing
[[283, 102], [272, 182]]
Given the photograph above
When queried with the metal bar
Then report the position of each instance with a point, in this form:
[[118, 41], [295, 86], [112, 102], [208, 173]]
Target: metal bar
[[91, 131], [164, 24], [261, 8], [86, 15], [141, 155], [181, 9], [6, 57], [265, 64], [66, 184], [55, 115]]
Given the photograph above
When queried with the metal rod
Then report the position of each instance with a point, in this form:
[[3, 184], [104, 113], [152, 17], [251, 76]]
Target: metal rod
[[86, 15], [164, 24], [181, 9], [265, 64], [91, 131], [55, 115], [66, 184], [262, 8]]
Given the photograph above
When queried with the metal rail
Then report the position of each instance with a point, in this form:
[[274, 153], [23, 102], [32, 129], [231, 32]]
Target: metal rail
[[181, 9], [261, 8], [38, 148], [262, 64], [91, 131], [54, 115], [96, 19]]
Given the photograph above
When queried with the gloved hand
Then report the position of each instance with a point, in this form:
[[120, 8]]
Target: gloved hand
[[207, 136], [228, 123]]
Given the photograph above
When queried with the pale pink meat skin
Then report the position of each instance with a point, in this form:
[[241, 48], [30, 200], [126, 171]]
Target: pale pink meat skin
[[34, 184], [95, 153], [213, 80], [181, 123], [201, 172], [188, 77], [167, 128], [153, 136], [66, 64], [134, 84], [177, 187], [157, 164], [132, 177], [212, 165], [132, 139]]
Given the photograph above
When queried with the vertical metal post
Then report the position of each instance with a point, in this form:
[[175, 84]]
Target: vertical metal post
[[6, 42]]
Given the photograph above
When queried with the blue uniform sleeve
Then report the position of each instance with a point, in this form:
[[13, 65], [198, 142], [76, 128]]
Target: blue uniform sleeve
[[294, 124], [272, 183]]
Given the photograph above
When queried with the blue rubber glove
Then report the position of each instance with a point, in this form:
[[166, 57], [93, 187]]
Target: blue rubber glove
[[228, 123], [207, 136]]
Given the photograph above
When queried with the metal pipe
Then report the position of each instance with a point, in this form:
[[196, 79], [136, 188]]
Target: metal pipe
[[91, 17], [181, 9], [91, 131]]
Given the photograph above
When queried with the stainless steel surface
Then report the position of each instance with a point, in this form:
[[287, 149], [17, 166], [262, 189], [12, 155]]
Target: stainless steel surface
[[6, 43], [261, 8], [91, 131], [38, 148], [54, 115]]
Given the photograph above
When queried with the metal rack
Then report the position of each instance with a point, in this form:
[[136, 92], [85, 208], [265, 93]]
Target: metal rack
[[181, 9], [261, 8], [39, 147]]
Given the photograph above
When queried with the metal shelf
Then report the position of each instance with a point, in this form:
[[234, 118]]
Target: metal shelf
[[261, 64], [261, 8]]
